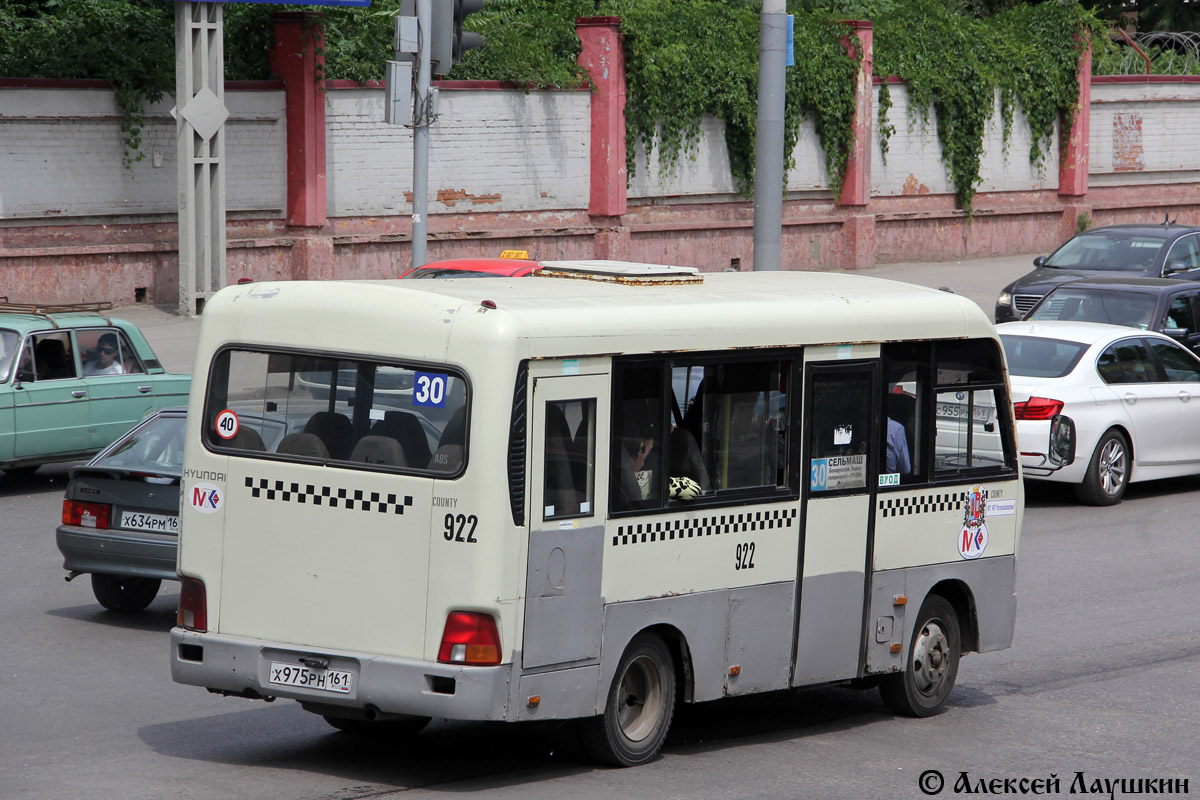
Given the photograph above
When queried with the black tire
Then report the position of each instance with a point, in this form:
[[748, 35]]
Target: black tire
[[124, 593], [922, 689], [1107, 474], [640, 707], [405, 728]]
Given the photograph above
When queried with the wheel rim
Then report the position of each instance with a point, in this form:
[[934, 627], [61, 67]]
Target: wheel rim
[[1112, 467], [639, 699], [930, 659]]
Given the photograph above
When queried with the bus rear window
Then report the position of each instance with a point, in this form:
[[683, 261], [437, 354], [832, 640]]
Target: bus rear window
[[336, 409]]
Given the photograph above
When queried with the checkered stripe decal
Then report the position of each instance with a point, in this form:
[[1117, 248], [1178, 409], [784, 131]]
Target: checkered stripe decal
[[349, 499], [672, 529], [923, 504]]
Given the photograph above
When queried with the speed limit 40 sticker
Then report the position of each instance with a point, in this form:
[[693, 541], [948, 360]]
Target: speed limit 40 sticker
[[227, 424]]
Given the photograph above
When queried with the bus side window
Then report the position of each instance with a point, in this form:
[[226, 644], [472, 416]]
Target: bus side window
[[569, 471], [906, 387], [971, 407]]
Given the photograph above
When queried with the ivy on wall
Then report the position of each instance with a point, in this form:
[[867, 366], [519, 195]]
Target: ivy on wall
[[684, 59], [957, 64]]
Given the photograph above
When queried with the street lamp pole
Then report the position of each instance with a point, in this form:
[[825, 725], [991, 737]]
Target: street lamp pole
[[768, 140]]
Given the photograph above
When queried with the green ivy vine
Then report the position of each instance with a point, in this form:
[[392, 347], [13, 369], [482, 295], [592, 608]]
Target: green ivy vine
[[684, 59], [956, 65]]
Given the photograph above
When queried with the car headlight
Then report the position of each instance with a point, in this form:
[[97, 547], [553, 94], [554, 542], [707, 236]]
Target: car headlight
[[1005, 299]]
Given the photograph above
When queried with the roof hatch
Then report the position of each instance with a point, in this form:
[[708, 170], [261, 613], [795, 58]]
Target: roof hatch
[[625, 272]]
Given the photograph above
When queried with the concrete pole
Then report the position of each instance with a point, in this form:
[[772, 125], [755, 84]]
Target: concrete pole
[[421, 120], [768, 140]]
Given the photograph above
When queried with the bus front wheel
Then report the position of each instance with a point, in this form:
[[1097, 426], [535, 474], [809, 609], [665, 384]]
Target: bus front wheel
[[641, 704], [922, 689]]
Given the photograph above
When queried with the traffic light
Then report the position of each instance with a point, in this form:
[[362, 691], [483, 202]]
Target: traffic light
[[448, 40]]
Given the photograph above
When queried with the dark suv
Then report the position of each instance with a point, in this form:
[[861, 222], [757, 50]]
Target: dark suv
[[1139, 250]]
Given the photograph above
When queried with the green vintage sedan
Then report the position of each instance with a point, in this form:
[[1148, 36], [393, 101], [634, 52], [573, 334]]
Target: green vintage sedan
[[73, 379]]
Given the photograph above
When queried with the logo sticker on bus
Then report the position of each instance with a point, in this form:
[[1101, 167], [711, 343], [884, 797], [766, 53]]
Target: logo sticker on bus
[[973, 537], [206, 498], [429, 389]]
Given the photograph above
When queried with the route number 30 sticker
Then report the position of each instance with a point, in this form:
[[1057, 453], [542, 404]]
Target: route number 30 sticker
[[227, 424]]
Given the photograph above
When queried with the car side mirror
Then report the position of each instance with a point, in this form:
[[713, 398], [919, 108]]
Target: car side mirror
[[1174, 266], [1062, 441], [1178, 334], [1040, 261]]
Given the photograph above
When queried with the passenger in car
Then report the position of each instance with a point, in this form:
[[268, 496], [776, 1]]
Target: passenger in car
[[106, 361]]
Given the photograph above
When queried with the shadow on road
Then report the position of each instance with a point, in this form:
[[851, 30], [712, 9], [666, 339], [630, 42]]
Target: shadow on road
[[490, 755], [158, 618]]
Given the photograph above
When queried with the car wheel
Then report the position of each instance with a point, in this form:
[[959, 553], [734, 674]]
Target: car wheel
[[124, 593], [1108, 473], [922, 689], [404, 728], [640, 706]]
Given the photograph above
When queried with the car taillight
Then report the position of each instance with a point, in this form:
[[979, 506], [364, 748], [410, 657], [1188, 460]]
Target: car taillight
[[86, 515], [470, 638], [193, 605], [1037, 408]]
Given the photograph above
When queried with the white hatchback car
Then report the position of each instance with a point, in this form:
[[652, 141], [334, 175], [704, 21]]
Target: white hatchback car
[[1133, 396]]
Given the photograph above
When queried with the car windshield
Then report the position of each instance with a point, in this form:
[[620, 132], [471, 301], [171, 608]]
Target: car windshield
[[1035, 357], [1094, 305], [1108, 250], [155, 446], [442, 272], [9, 340]]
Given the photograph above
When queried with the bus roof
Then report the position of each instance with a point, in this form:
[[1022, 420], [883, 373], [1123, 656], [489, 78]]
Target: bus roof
[[564, 316]]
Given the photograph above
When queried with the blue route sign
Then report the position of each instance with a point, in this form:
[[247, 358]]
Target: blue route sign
[[358, 3]]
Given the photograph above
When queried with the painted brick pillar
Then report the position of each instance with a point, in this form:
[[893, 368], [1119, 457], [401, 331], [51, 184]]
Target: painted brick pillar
[[856, 190], [604, 59], [1076, 142], [296, 56], [858, 228]]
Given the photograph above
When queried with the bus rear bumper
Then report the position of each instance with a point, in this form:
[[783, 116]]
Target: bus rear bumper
[[243, 667]]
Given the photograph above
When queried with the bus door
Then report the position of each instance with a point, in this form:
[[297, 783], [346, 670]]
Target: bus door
[[568, 484], [841, 401]]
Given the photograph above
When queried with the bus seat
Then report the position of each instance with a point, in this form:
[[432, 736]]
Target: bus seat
[[246, 439], [686, 461], [455, 432], [334, 430], [373, 449], [406, 429], [303, 444]]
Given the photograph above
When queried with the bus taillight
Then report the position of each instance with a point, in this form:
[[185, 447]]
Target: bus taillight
[[470, 638], [193, 605]]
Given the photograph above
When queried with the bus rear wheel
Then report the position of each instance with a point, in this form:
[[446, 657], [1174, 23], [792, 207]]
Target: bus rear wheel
[[922, 689], [641, 704]]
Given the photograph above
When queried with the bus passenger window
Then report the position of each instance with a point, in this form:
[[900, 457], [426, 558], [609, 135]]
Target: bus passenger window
[[841, 432], [906, 382], [970, 418], [569, 477]]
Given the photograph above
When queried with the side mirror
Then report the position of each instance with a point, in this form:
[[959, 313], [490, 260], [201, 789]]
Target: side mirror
[[1174, 266], [1062, 441], [1178, 334], [1040, 261]]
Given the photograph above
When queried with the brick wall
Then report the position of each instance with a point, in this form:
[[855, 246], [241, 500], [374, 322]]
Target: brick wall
[[490, 150], [61, 150]]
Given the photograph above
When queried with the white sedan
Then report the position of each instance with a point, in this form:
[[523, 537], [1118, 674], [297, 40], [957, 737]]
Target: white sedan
[[1133, 396]]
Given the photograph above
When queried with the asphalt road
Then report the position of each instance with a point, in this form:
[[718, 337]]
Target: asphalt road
[[1103, 679]]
